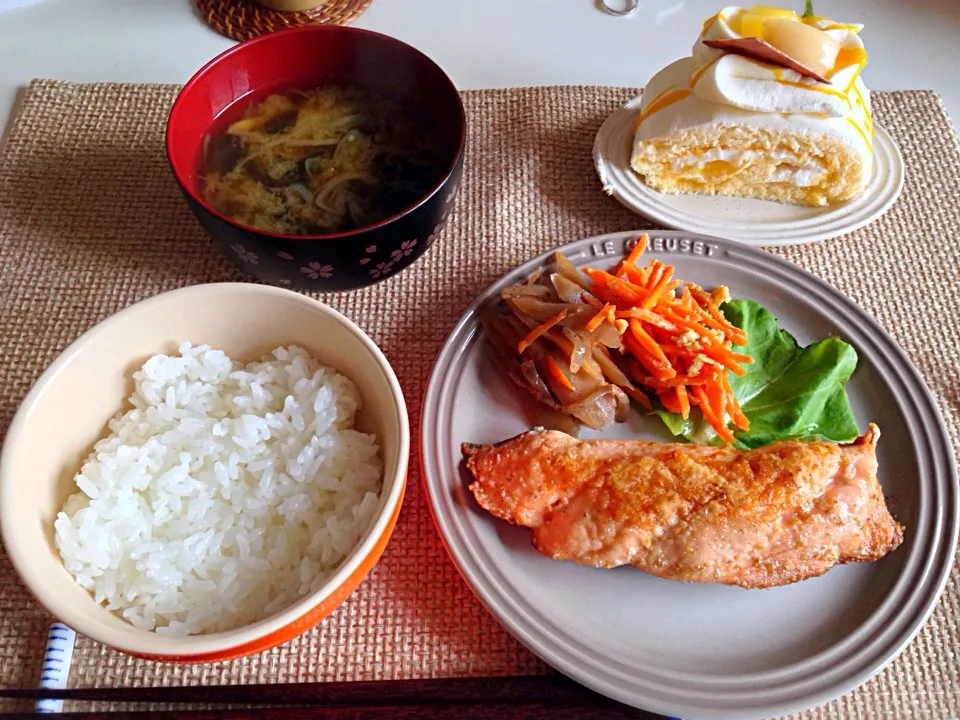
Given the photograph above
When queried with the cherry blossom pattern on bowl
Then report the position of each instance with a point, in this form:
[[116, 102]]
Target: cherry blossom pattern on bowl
[[405, 249], [244, 254], [381, 270], [316, 270], [370, 250]]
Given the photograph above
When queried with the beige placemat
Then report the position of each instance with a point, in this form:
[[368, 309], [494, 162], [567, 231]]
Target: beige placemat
[[91, 221]]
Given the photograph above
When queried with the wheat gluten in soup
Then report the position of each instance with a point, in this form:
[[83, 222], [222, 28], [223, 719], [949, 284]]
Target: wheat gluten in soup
[[224, 494], [326, 160]]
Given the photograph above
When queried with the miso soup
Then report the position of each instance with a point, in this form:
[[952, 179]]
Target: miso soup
[[320, 161]]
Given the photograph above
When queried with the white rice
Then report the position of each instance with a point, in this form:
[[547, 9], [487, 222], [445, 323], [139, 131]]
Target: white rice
[[224, 495]]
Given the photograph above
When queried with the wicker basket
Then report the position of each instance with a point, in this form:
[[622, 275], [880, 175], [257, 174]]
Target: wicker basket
[[246, 19]]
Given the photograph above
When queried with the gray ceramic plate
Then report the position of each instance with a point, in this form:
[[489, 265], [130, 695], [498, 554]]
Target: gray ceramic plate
[[704, 651]]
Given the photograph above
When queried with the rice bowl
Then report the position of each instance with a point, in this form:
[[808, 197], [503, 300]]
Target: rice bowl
[[72, 404]]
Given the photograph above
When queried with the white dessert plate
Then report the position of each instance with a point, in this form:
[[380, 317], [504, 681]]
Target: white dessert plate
[[700, 650], [753, 222]]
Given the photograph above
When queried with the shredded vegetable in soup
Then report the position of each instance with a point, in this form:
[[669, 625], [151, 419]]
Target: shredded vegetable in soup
[[320, 161]]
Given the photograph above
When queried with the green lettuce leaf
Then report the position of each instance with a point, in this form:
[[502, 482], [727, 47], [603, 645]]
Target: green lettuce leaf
[[787, 392]]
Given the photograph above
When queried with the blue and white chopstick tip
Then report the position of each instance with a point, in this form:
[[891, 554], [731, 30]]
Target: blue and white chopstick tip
[[56, 665]]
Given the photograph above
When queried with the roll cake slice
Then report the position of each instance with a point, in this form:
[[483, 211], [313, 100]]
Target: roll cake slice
[[720, 123]]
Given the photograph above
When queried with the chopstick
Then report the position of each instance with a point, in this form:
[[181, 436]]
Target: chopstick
[[56, 665], [524, 696], [523, 711]]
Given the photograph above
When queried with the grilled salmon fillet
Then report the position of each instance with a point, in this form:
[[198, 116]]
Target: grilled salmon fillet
[[755, 518]]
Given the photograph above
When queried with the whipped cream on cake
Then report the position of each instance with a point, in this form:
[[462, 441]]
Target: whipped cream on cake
[[725, 122]]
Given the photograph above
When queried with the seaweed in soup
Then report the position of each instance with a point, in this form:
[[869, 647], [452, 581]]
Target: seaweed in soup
[[320, 161]]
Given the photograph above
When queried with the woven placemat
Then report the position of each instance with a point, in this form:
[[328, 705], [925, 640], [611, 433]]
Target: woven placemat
[[246, 19], [91, 221]]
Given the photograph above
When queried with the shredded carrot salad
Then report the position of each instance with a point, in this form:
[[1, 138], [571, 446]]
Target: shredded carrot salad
[[677, 345], [585, 342]]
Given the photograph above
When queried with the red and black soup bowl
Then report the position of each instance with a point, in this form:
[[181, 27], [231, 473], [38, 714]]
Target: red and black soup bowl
[[304, 58]]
